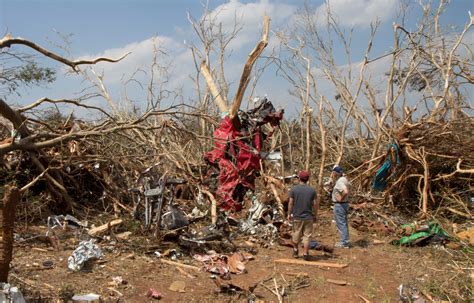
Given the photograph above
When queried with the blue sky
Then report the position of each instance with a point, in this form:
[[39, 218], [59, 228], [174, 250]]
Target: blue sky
[[111, 28]]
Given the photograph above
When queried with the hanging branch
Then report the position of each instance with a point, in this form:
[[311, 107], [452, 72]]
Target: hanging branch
[[8, 41]]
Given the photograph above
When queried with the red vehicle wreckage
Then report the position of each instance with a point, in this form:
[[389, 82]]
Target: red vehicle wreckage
[[238, 152]]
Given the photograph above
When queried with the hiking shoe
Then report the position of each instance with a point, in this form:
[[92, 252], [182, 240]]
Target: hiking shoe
[[307, 257], [342, 245], [295, 253]]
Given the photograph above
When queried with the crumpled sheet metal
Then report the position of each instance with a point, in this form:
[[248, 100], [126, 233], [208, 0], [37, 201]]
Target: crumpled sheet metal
[[256, 212], [61, 221], [251, 225], [237, 152], [10, 294], [85, 251]]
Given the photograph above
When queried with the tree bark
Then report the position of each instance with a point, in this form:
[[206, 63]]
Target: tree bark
[[11, 198]]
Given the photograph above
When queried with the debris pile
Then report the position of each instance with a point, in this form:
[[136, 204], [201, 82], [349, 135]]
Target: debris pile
[[430, 166], [238, 152]]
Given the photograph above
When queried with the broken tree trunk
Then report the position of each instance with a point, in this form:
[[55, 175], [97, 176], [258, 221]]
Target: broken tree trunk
[[7, 220], [221, 102], [245, 78]]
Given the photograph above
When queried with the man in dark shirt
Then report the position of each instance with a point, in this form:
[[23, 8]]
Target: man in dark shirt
[[302, 209]]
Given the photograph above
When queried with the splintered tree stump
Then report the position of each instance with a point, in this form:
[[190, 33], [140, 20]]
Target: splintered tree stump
[[7, 220]]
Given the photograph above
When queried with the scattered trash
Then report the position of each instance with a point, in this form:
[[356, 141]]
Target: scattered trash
[[118, 280], [215, 264], [228, 287], [95, 298], [174, 218], [153, 294], [272, 156], [59, 227], [256, 213], [173, 254], [48, 264], [223, 265], [209, 237], [410, 294], [178, 286], [237, 262], [86, 250], [61, 221], [11, 294], [415, 234], [196, 214]]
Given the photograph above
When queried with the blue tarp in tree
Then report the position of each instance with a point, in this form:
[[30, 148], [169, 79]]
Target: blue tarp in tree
[[383, 173]]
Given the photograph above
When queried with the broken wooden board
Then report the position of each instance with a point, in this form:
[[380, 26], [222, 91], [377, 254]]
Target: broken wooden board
[[180, 265], [337, 282], [103, 228], [313, 263]]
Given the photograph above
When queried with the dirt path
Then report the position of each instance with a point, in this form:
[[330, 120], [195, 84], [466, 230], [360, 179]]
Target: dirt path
[[373, 272]]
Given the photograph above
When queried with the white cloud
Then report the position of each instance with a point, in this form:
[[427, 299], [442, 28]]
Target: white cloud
[[357, 12], [250, 17], [141, 55]]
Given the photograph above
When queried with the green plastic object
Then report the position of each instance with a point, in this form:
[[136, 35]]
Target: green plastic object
[[432, 230]]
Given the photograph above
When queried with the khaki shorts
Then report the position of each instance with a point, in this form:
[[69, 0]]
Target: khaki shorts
[[302, 228]]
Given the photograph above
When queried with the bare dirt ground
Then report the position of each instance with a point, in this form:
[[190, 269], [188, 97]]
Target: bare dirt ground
[[374, 273]]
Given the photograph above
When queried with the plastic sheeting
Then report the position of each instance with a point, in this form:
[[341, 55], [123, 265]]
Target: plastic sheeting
[[421, 235], [384, 172]]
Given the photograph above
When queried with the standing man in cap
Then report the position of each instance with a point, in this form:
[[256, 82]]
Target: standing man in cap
[[302, 209], [340, 198]]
